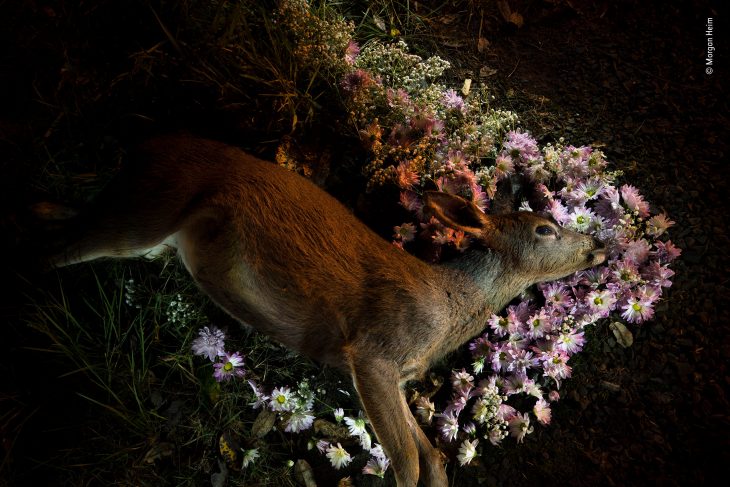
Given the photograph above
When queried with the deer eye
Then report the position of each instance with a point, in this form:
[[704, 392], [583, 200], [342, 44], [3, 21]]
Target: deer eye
[[544, 230]]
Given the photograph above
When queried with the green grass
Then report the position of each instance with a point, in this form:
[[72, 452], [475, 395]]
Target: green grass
[[153, 411]]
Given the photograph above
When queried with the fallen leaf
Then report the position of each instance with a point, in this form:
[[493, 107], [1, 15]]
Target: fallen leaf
[[158, 451], [486, 72], [330, 430], [263, 423], [229, 449], [379, 23], [304, 474], [623, 335]]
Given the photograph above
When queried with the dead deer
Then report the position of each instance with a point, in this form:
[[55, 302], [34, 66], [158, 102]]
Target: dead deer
[[282, 255]]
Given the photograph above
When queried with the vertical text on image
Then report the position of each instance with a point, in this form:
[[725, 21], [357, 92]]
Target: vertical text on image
[[710, 46]]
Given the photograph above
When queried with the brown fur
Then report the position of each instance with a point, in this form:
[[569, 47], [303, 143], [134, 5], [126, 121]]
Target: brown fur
[[283, 256]]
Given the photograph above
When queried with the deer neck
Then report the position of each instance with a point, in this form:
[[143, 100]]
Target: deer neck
[[480, 283]]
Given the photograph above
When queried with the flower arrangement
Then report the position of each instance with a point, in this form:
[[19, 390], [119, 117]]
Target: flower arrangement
[[417, 133]]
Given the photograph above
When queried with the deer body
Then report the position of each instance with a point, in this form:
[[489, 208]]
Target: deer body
[[283, 256]]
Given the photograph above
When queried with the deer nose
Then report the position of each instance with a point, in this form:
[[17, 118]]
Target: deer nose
[[598, 245]]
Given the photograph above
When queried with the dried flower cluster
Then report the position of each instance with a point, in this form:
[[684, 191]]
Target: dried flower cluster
[[320, 42]]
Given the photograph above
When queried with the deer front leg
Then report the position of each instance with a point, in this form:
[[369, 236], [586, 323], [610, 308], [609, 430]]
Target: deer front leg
[[433, 473], [377, 382]]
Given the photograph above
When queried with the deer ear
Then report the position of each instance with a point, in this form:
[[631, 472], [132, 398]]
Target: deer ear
[[456, 212]]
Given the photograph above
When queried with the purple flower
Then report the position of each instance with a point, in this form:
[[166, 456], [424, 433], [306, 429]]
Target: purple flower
[[503, 166], [601, 302], [595, 276], [538, 324], [556, 365], [609, 206], [448, 425], [261, 398], [556, 294], [210, 343], [456, 405], [230, 365], [452, 100], [571, 342], [658, 274], [356, 80], [501, 357], [480, 347], [502, 325], [462, 380], [637, 311], [522, 145], [378, 463], [666, 251], [558, 211], [521, 361], [625, 272]]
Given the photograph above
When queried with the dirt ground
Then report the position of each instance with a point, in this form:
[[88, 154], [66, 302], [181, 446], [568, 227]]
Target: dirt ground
[[629, 77]]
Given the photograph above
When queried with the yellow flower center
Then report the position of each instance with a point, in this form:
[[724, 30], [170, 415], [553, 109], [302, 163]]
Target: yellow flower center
[[636, 307], [598, 301], [281, 399], [228, 367]]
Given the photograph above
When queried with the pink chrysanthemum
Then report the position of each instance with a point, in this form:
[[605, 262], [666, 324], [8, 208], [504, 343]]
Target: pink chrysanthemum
[[666, 251], [634, 201], [405, 176], [556, 294], [658, 274], [637, 310], [571, 342], [462, 380], [601, 302], [519, 426], [542, 411], [637, 251], [503, 166], [351, 52], [538, 324]]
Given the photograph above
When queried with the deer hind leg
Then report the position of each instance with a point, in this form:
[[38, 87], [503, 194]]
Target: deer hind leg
[[125, 221], [377, 382]]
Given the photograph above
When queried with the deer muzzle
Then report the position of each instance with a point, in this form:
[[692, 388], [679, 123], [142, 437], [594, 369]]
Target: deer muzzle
[[598, 254]]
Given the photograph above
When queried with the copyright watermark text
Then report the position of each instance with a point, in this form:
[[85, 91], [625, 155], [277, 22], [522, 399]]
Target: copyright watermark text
[[709, 28]]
